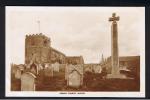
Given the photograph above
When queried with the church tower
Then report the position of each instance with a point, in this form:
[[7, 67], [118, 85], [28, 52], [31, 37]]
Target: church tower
[[37, 49]]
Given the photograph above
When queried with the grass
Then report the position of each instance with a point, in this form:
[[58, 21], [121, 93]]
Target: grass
[[92, 82]]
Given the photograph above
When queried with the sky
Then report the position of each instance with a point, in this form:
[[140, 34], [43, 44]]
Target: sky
[[75, 31]]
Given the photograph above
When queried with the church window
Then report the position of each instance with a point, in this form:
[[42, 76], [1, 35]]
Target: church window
[[45, 43], [32, 43]]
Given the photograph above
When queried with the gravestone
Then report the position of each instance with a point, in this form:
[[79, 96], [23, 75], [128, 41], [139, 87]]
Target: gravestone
[[56, 67], [28, 81], [28, 66], [97, 68], [74, 75], [40, 67], [87, 68], [74, 79], [34, 68], [19, 70], [48, 70], [18, 73], [47, 65]]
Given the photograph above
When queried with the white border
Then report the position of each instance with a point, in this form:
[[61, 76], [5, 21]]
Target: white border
[[9, 93]]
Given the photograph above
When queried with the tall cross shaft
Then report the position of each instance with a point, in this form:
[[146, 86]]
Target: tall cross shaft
[[114, 45], [115, 72]]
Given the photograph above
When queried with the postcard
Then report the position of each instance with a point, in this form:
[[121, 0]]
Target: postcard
[[75, 51]]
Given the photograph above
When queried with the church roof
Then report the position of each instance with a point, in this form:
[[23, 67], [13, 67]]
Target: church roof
[[58, 51], [129, 58], [75, 59], [126, 58]]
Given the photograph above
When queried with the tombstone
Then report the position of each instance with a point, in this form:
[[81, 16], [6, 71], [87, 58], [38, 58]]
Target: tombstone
[[97, 69], [34, 68], [40, 67], [28, 81], [74, 79], [47, 65], [100, 69], [56, 67], [19, 70], [87, 68], [74, 75], [28, 66], [48, 70], [18, 73], [21, 67]]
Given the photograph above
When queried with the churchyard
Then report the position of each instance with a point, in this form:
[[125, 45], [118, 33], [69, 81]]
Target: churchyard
[[91, 82]]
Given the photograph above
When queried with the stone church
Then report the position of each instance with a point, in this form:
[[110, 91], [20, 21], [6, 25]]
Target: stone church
[[38, 50]]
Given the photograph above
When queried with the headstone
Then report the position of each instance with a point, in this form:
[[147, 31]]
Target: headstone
[[97, 69], [74, 79], [19, 70], [34, 68], [47, 65], [28, 81], [74, 75], [40, 67], [18, 73], [87, 68], [48, 70], [56, 67], [115, 72], [21, 67]]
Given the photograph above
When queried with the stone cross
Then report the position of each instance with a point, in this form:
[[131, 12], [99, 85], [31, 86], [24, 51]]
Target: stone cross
[[115, 71], [114, 45]]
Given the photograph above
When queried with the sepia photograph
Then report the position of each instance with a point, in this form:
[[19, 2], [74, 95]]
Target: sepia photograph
[[75, 51]]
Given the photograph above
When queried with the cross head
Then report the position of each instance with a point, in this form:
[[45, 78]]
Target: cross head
[[114, 18]]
